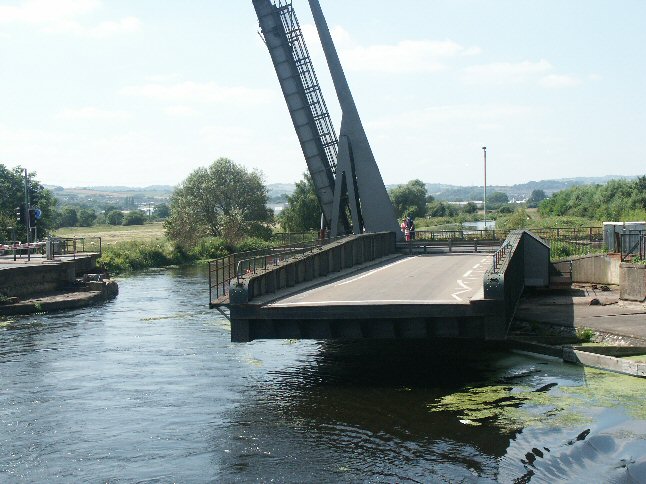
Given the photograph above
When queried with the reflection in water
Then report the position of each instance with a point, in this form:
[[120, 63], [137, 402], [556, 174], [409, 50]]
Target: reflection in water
[[149, 388]]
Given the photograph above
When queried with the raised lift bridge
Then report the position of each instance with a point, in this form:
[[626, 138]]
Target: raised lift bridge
[[359, 285]]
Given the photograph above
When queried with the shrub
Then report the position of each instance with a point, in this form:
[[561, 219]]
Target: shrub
[[135, 217]]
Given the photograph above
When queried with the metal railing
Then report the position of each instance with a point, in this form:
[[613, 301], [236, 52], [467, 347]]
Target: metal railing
[[632, 244], [60, 246], [288, 238], [461, 234], [223, 270], [500, 255]]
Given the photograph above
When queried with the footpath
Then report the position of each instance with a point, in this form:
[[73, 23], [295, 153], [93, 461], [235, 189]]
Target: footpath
[[555, 322]]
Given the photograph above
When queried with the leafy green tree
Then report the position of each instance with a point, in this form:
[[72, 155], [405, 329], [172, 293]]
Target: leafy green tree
[[134, 217], [470, 208], [535, 198], [223, 200], [12, 195], [161, 210], [303, 211], [69, 217], [441, 209], [409, 199], [86, 217], [114, 217], [496, 199]]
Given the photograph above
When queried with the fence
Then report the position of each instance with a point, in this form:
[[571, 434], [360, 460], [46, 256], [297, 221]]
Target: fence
[[60, 246], [632, 244], [572, 241], [223, 270], [462, 234]]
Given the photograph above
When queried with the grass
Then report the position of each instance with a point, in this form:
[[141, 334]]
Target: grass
[[113, 234]]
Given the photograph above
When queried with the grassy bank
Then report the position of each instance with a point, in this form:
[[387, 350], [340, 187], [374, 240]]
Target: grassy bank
[[113, 234], [133, 255]]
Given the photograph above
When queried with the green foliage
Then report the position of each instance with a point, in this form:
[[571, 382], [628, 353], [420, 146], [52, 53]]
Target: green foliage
[[584, 335], [86, 217], [12, 194], [303, 211], [161, 210], [253, 243], [409, 199], [135, 255], [441, 209], [470, 208], [134, 217], [518, 220], [496, 200], [506, 209], [69, 217], [224, 200], [114, 217], [617, 200], [535, 198], [210, 248]]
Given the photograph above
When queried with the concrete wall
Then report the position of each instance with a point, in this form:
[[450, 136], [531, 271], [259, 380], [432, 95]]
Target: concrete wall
[[335, 257], [30, 280], [596, 269], [632, 279], [537, 262]]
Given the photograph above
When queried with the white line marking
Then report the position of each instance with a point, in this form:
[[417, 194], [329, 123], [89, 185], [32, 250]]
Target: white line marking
[[467, 274], [375, 302], [463, 285], [476, 266], [457, 298], [373, 271]]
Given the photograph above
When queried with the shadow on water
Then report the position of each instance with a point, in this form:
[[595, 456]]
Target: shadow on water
[[413, 412]]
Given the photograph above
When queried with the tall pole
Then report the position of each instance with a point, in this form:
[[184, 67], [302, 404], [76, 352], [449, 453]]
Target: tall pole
[[27, 220], [484, 149]]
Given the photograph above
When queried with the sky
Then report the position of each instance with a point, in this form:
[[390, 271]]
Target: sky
[[137, 93]]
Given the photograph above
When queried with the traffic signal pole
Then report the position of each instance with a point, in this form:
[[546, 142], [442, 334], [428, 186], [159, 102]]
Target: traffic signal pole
[[27, 208]]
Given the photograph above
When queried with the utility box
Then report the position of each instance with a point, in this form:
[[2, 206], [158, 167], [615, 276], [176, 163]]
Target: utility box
[[618, 235]]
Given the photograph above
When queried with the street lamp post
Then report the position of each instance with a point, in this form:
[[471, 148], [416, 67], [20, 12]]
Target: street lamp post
[[484, 149]]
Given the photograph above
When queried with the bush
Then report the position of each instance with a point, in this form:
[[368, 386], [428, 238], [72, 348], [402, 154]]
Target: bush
[[135, 217], [209, 248], [114, 217]]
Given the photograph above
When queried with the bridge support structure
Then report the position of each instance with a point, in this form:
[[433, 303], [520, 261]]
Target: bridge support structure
[[344, 170]]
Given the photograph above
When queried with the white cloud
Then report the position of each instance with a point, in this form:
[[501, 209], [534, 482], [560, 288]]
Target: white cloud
[[208, 92], [60, 17], [505, 72], [405, 56], [557, 81], [91, 113]]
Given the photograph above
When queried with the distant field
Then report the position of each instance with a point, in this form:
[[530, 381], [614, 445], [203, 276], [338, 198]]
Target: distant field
[[111, 234]]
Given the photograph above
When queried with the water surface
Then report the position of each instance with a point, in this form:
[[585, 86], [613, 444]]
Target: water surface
[[148, 388]]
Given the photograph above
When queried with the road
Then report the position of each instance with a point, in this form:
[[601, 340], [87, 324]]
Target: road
[[422, 279]]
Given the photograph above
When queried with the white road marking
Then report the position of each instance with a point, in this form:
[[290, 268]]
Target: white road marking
[[467, 274], [463, 285], [374, 270], [455, 294], [375, 302], [476, 266]]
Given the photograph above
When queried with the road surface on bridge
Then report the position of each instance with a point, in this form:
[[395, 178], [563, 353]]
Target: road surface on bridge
[[422, 279]]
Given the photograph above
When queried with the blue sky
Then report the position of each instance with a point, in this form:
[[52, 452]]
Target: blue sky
[[122, 92]]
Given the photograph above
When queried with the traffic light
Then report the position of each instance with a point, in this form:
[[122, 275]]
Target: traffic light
[[20, 214]]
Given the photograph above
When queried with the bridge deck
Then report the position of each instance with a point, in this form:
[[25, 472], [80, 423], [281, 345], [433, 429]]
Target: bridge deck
[[423, 279]]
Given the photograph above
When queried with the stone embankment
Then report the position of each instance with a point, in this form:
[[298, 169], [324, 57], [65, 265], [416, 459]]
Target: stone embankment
[[39, 285]]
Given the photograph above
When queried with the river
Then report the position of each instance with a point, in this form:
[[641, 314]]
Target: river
[[148, 388]]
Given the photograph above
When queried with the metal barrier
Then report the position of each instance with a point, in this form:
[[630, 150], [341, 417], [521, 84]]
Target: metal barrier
[[58, 246], [223, 270], [499, 256], [632, 244], [462, 234]]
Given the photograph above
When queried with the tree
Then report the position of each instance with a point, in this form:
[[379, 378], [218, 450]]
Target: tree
[[134, 217], [12, 195], [409, 199], [496, 199], [69, 217], [470, 208], [114, 217], [535, 198], [161, 210], [303, 211], [223, 200], [86, 217]]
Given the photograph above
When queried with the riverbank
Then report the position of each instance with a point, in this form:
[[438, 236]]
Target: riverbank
[[86, 295], [587, 324]]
